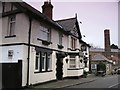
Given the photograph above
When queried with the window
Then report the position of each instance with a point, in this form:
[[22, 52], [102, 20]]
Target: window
[[72, 63], [3, 7], [60, 38], [10, 54], [43, 61], [73, 43], [49, 62], [11, 25], [37, 62], [45, 33], [93, 66]]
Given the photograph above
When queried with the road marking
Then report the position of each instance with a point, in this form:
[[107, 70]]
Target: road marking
[[113, 85]]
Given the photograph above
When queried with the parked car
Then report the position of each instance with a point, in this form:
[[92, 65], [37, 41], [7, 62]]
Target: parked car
[[113, 72], [118, 71], [100, 73]]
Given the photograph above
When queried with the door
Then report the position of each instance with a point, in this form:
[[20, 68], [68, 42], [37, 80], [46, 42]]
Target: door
[[59, 65], [59, 69], [12, 75]]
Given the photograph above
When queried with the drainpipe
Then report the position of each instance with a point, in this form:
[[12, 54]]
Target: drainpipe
[[29, 39]]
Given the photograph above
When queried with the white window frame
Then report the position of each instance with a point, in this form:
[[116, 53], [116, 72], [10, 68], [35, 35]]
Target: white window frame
[[50, 62], [47, 31], [72, 65], [11, 25], [93, 66], [38, 64], [43, 61], [60, 38]]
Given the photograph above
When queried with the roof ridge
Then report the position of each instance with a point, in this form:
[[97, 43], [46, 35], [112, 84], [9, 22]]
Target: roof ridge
[[65, 19]]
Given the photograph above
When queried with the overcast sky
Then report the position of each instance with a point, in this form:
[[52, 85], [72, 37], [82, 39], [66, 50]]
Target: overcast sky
[[95, 15]]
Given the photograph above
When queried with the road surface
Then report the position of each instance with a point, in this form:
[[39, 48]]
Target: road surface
[[110, 81]]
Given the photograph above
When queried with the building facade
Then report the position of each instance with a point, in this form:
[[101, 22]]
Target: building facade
[[37, 49]]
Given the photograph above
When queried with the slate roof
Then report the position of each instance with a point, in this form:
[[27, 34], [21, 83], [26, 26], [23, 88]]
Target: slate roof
[[103, 50], [100, 57], [67, 24]]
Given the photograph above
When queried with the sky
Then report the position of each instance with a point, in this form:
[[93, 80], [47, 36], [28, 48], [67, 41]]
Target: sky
[[95, 15]]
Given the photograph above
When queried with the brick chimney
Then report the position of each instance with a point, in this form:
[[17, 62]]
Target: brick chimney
[[107, 43], [47, 9]]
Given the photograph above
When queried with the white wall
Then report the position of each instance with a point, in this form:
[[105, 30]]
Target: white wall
[[42, 76], [75, 72], [18, 53], [54, 37], [21, 29]]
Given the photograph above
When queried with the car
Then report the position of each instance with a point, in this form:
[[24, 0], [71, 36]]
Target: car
[[118, 71], [100, 73], [113, 72]]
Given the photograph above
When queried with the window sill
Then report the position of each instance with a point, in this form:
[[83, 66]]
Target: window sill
[[60, 46], [43, 71], [74, 68], [44, 42], [10, 36]]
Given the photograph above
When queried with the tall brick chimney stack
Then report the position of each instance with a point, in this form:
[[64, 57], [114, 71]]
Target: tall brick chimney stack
[[107, 43], [47, 8]]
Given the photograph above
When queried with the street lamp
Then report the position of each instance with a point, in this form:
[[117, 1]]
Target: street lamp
[[83, 48]]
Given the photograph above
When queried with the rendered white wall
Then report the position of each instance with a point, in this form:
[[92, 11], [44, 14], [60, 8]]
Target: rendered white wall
[[44, 76], [75, 72], [21, 29], [17, 53]]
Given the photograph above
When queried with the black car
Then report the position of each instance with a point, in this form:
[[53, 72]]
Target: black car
[[100, 73]]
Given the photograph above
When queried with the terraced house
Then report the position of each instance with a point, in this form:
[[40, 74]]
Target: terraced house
[[37, 49]]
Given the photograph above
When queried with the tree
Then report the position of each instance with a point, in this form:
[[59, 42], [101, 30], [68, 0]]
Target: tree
[[101, 66], [113, 46]]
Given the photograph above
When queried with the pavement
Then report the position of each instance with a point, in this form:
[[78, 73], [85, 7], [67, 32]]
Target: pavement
[[66, 82]]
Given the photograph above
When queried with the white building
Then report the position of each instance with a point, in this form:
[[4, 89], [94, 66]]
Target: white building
[[36, 49]]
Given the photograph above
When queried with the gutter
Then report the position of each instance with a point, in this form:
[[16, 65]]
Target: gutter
[[28, 58]]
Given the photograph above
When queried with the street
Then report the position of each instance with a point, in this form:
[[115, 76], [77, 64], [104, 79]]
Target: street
[[110, 81]]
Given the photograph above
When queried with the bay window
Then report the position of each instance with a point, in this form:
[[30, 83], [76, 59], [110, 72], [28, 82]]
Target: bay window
[[72, 61]]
